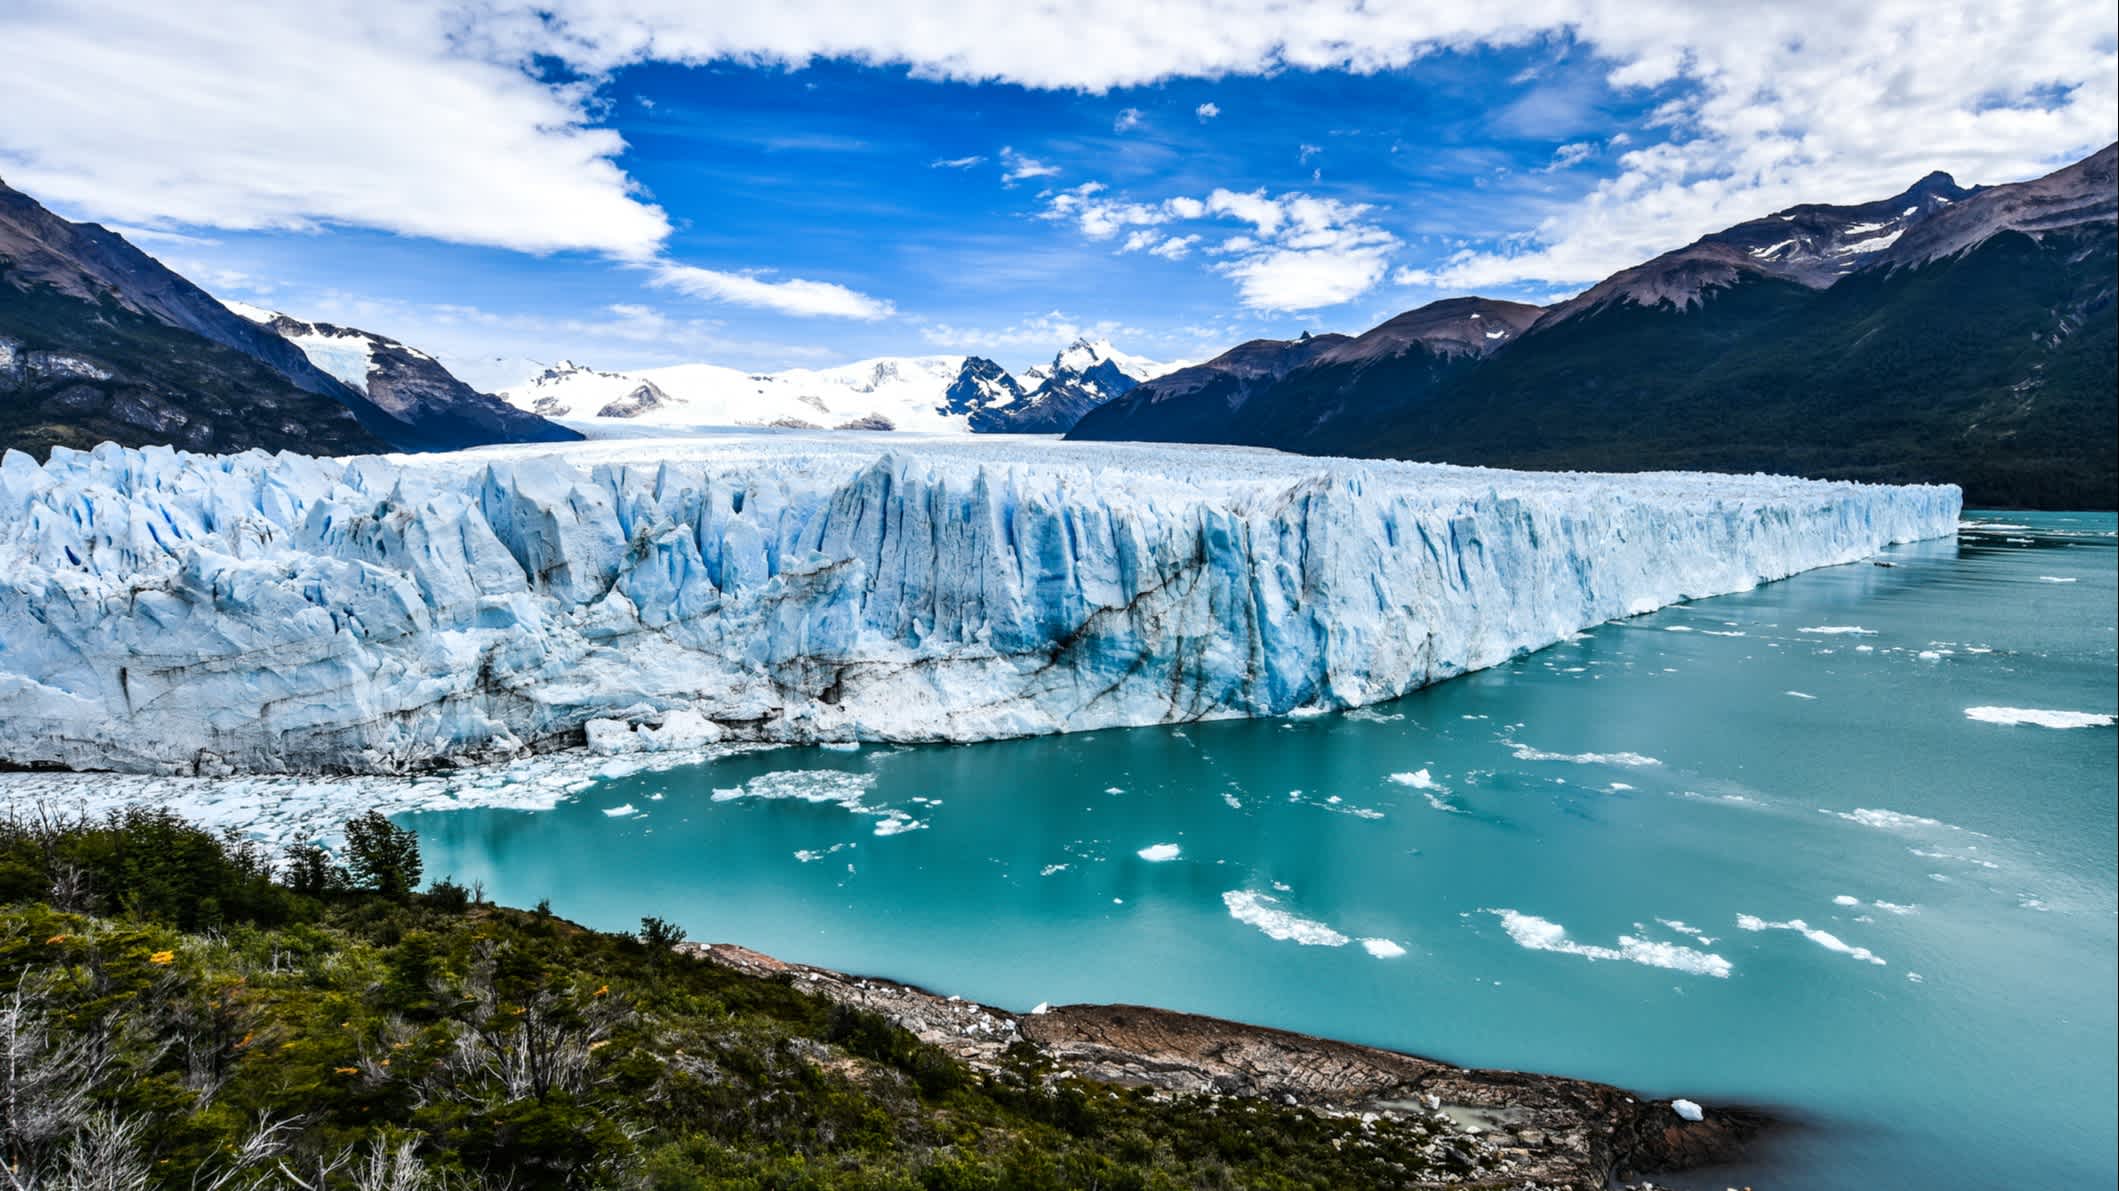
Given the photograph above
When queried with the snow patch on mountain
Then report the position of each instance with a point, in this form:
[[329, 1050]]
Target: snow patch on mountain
[[925, 394]]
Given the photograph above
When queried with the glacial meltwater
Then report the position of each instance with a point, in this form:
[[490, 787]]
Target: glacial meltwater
[[1841, 846]]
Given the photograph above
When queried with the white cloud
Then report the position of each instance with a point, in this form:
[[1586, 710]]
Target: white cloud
[[1170, 248], [479, 122], [1016, 168], [253, 114], [1568, 156], [1304, 252], [1174, 247], [1128, 120], [1306, 152], [1207, 111], [1309, 252], [1046, 333], [804, 299], [956, 163]]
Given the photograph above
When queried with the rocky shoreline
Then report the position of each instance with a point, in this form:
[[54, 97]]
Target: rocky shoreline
[[1493, 1128]]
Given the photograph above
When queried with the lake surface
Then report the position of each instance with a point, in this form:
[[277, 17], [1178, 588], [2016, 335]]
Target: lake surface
[[1717, 852]]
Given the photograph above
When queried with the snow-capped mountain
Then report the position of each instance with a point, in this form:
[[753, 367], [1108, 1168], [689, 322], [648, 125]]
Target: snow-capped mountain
[[1812, 245], [926, 394], [100, 342], [407, 384], [1945, 333]]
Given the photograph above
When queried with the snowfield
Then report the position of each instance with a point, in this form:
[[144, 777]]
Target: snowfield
[[171, 613]]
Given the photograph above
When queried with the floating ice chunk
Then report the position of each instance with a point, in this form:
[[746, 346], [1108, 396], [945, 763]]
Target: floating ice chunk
[[1887, 820], [1263, 911], [1618, 787], [1824, 939], [1052, 869], [1419, 779], [1382, 948], [898, 823], [1157, 853], [1894, 907], [1798, 695], [2056, 579], [1706, 940], [2039, 717], [837, 786], [1372, 716], [1687, 1110], [1525, 752], [1839, 630], [621, 810], [1537, 934], [1845, 900]]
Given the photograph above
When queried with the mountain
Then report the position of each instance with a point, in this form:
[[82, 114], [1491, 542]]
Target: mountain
[[929, 394], [1319, 389], [1083, 376], [1943, 334], [918, 393], [437, 411], [99, 341]]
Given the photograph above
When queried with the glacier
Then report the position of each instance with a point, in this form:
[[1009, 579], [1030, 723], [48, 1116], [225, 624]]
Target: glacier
[[169, 613]]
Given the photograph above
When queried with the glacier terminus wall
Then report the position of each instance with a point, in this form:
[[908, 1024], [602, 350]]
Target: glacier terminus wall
[[165, 612]]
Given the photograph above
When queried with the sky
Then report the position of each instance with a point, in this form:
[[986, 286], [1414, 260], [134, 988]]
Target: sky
[[810, 182]]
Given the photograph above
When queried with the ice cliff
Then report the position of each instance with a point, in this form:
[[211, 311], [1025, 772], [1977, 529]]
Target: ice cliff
[[169, 612]]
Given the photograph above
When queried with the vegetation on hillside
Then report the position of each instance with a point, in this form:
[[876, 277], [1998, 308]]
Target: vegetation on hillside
[[1994, 370], [180, 1009]]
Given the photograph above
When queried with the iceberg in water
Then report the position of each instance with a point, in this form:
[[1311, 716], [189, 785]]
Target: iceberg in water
[[167, 612]]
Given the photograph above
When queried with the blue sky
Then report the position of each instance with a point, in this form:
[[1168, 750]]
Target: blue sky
[[503, 186]]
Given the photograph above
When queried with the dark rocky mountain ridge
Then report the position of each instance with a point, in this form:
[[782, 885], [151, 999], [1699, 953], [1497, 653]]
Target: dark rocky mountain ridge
[[1945, 334], [102, 342]]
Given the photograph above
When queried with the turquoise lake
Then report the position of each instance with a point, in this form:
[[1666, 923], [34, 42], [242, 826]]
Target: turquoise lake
[[1718, 852]]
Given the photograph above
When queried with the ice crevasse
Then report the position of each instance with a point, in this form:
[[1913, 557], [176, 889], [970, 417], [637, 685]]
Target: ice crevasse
[[167, 612]]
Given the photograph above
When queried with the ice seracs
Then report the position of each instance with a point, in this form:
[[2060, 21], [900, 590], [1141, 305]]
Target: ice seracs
[[165, 612]]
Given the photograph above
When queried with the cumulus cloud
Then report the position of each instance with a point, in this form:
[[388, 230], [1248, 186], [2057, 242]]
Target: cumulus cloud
[[481, 122], [1128, 120], [267, 115], [1302, 252], [1207, 111], [804, 299], [1016, 168], [956, 163]]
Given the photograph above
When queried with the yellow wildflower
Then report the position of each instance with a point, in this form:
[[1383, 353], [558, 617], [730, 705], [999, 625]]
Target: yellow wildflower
[[347, 1070], [55, 940], [163, 957]]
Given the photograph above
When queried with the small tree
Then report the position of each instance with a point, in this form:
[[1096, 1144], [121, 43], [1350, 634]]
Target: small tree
[[382, 856], [660, 935], [448, 896], [310, 871]]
